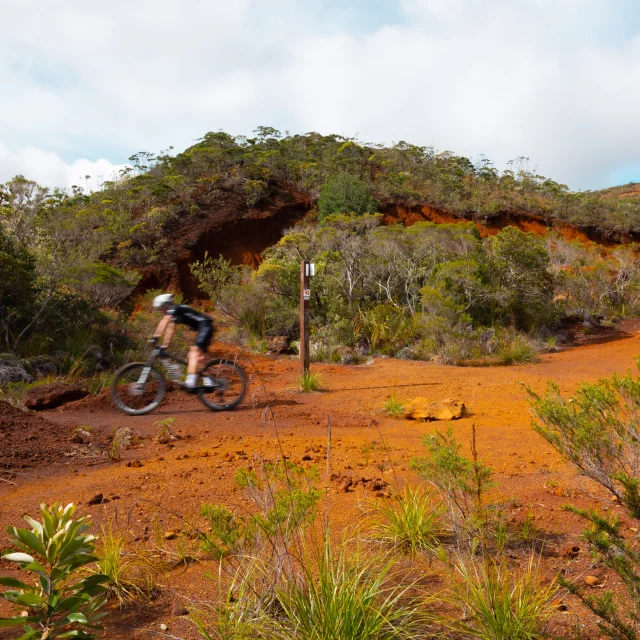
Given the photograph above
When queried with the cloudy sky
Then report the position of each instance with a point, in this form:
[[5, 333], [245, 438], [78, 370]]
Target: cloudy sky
[[84, 84]]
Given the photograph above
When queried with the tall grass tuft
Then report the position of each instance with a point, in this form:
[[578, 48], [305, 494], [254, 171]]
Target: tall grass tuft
[[309, 382], [518, 350], [409, 521], [131, 576], [502, 603], [393, 407], [346, 597]]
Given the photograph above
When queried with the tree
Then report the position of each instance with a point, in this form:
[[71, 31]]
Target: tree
[[344, 193], [18, 287], [520, 271]]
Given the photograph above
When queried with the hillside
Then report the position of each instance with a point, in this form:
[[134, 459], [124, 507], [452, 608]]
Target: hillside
[[228, 220]]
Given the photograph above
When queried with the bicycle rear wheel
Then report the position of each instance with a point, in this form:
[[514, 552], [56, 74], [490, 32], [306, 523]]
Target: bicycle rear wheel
[[230, 385], [137, 388]]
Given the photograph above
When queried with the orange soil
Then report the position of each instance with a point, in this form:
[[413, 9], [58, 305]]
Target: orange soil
[[531, 476]]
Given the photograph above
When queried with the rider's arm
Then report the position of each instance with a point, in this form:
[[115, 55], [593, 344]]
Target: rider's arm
[[162, 326], [169, 334]]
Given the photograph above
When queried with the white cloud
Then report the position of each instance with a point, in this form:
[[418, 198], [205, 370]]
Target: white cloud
[[49, 169], [556, 80]]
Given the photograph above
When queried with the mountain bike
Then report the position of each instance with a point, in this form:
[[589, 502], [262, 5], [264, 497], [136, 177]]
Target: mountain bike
[[139, 387]]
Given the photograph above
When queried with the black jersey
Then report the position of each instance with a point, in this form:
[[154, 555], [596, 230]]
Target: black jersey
[[186, 315]]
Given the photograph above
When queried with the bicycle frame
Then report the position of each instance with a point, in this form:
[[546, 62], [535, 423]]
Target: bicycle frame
[[155, 354]]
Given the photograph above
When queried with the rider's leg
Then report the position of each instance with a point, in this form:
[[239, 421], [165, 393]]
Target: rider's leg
[[195, 362]]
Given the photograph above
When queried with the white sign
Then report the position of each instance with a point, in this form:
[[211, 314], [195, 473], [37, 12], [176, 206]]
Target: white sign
[[306, 294]]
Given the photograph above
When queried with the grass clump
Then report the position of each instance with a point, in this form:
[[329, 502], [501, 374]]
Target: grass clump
[[131, 575], [393, 407], [501, 603], [309, 382], [517, 349], [164, 430], [348, 597], [409, 521]]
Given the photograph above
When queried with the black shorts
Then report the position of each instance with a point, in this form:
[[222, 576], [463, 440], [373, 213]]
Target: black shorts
[[203, 339]]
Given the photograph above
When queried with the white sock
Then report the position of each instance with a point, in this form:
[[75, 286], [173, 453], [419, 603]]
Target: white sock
[[192, 380]]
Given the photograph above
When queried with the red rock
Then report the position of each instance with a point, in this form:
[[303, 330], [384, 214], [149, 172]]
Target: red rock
[[50, 396]]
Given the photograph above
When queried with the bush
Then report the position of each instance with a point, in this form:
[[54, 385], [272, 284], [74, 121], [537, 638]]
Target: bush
[[344, 193], [599, 432], [461, 483], [54, 551]]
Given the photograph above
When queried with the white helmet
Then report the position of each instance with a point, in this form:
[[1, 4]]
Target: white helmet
[[161, 300]]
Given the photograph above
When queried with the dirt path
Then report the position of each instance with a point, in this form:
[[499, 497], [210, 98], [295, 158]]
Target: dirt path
[[200, 466]]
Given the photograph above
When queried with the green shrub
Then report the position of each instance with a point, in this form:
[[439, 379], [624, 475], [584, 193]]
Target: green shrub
[[461, 482], [344, 193], [599, 432], [55, 551]]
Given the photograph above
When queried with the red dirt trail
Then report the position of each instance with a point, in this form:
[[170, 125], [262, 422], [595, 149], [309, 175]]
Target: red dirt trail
[[200, 466]]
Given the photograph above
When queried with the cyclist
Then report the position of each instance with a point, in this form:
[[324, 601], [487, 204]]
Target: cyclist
[[199, 322]]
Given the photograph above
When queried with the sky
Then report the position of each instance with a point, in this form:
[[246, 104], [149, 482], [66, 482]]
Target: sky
[[85, 84]]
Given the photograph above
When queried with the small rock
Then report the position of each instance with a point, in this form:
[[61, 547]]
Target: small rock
[[163, 627], [345, 485], [183, 611], [593, 581], [97, 499], [279, 344], [170, 535], [572, 552], [81, 436], [306, 457], [134, 463], [423, 409]]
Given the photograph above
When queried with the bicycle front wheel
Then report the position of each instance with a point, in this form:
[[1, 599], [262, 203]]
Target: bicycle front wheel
[[137, 388], [230, 385]]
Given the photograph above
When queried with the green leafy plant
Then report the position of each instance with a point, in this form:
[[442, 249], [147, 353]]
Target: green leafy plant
[[409, 521], [309, 382], [60, 603], [286, 497]]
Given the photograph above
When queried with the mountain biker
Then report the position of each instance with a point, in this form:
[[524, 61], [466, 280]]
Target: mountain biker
[[195, 320]]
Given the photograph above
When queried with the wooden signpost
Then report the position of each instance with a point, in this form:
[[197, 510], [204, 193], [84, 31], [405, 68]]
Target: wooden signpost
[[307, 270]]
